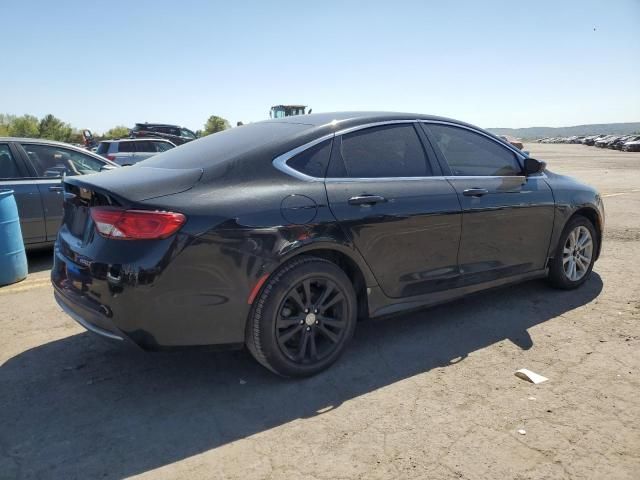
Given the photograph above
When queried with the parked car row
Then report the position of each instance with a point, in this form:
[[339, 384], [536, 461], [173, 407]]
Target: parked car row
[[626, 143], [144, 141]]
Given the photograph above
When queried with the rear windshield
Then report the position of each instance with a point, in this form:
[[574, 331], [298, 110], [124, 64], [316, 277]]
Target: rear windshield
[[103, 148], [220, 147]]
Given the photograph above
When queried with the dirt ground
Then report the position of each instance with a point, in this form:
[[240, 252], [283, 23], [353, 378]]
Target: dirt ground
[[431, 394]]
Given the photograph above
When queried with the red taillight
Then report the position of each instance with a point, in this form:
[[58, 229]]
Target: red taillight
[[122, 224], [111, 157]]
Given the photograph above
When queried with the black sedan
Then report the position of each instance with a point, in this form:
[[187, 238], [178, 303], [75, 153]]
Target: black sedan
[[279, 235]]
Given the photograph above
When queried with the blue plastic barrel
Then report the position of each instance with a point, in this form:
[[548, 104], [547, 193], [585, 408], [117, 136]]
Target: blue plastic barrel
[[13, 259]]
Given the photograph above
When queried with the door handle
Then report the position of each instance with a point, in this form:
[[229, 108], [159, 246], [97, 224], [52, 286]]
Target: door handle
[[366, 199], [56, 189], [475, 192]]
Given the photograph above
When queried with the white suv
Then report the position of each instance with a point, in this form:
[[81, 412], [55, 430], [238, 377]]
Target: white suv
[[132, 150]]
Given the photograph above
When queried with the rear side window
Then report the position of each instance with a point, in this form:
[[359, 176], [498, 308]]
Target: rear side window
[[162, 146], [103, 148], [381, 152], [145, 147], [471, 154], [8, 165], [126, 146], [313, 161], [232, 143]]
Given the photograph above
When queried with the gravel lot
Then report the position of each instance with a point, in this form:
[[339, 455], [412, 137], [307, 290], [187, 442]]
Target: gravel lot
[[426, 395]]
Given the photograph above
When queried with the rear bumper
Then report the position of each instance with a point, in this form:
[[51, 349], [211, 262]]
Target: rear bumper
[[89, 320], [158, 295]]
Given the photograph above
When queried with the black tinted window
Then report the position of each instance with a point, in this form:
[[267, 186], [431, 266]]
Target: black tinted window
[[126, 146], [387, 151], [103, 148], [313, 161], [53, 161], [469, 153], [226, 145], [144, 147], [8, 165], [162, 146]]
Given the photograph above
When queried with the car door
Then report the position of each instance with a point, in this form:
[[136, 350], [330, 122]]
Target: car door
[[15, 176], [386, 191], [51, 163], [507, 217]]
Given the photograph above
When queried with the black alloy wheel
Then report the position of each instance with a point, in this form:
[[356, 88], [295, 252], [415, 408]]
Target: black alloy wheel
[[311, 320], [303, 318]]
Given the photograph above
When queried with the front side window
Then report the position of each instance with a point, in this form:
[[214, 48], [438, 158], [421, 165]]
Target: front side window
[[471, 154], [53, 161], [103, 148], [8, 165], [386, 151]]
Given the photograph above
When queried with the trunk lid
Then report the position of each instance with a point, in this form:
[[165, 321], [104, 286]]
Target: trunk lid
[[139, 183], [121, 187]]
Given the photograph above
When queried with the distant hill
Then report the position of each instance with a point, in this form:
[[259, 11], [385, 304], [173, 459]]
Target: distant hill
[[595, 129]]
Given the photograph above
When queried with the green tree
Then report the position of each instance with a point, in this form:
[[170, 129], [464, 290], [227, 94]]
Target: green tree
[[24, 126], [55, 129], [117, 132], [215, 124]]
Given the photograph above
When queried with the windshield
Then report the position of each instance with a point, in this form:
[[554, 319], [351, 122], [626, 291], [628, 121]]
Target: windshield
[[222, 146]]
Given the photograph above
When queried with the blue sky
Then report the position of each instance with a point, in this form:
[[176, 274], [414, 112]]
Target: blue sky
[[495, 63]]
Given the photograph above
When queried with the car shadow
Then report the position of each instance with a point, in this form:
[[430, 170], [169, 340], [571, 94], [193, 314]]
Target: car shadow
[[81, 407]]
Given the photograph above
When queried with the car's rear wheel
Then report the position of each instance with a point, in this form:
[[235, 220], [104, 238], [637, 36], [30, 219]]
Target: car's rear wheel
[[303, 319], [575, 254]]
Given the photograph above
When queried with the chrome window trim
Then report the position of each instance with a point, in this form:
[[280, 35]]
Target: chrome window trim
[[380, 179], [280, 162]]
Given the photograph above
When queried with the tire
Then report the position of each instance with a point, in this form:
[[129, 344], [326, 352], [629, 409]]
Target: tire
[[298, 334], [560, 272]]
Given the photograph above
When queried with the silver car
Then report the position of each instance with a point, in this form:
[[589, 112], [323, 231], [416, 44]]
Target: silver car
[[132, 150], [34, 169]]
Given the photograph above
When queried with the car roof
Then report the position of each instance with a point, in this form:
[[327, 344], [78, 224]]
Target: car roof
[[144, 139], [357, 118], [44, 141], [158, 125], [36, 140]]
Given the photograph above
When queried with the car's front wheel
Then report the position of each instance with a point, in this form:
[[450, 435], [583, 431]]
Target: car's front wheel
[[303, 319], [575, 254]]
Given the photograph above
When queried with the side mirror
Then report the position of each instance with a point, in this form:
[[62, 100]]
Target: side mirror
[[533, 166]]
